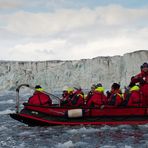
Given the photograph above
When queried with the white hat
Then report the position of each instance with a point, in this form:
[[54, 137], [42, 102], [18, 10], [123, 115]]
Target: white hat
[[65, 88]]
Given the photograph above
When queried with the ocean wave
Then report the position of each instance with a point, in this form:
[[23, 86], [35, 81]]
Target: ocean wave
[[7, 111], [83, 130], [70, 144], [94, 129], [2, 128], [7, 102]]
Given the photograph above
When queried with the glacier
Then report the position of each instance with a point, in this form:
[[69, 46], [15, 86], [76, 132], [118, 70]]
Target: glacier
[[55, 74]]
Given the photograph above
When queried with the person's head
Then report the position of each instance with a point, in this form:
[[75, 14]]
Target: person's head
[[115, 87], [99, 85], [38, 88], [144, 67], [108, 93], [70, 91], [131, 85], [93, 87], [65, 91], [132, 78]]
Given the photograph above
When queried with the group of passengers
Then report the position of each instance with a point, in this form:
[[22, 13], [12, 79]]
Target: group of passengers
[[136, 94], [94, 98]]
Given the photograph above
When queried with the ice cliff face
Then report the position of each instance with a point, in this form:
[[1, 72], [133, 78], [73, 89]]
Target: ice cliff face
[[53, 75]]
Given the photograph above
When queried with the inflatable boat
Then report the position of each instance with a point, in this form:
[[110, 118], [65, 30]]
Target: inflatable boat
[[36, 115]]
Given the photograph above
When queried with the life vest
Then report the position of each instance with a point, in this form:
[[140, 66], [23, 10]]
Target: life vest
[[77, 99], [115, 99], [126, 99], [132, 98]]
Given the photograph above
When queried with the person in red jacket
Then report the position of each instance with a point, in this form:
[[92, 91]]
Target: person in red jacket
[[132, 96], [98, 98], [115, 98], [142, 79], [90, 93], [39, 97], [66, 96], [77, 99]]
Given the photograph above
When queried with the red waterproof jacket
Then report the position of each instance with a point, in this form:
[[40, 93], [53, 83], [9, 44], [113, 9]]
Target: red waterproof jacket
[[142, 78], [133, 98], [144, 94], [65, 101], [77, 99], [97, 99], [40, 98]]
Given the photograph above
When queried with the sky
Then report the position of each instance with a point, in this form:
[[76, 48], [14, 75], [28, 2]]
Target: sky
[[39, 30]]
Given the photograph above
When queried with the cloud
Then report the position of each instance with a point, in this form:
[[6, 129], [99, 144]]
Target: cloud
[[44, 24], [7, 4], [31, 24], [37, 51], [65, 50], [75, 33]]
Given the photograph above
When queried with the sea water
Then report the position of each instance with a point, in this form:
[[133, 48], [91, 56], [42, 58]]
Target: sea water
[[14, 134]]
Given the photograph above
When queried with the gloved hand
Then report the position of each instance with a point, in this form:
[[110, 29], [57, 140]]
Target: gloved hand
[[108, 93], [142, 81]]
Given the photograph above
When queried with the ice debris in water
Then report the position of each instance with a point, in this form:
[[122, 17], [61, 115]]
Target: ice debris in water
[[7, 111], [83, 130], [2, 128], [7, 102], [70, 144], [67, 144]]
